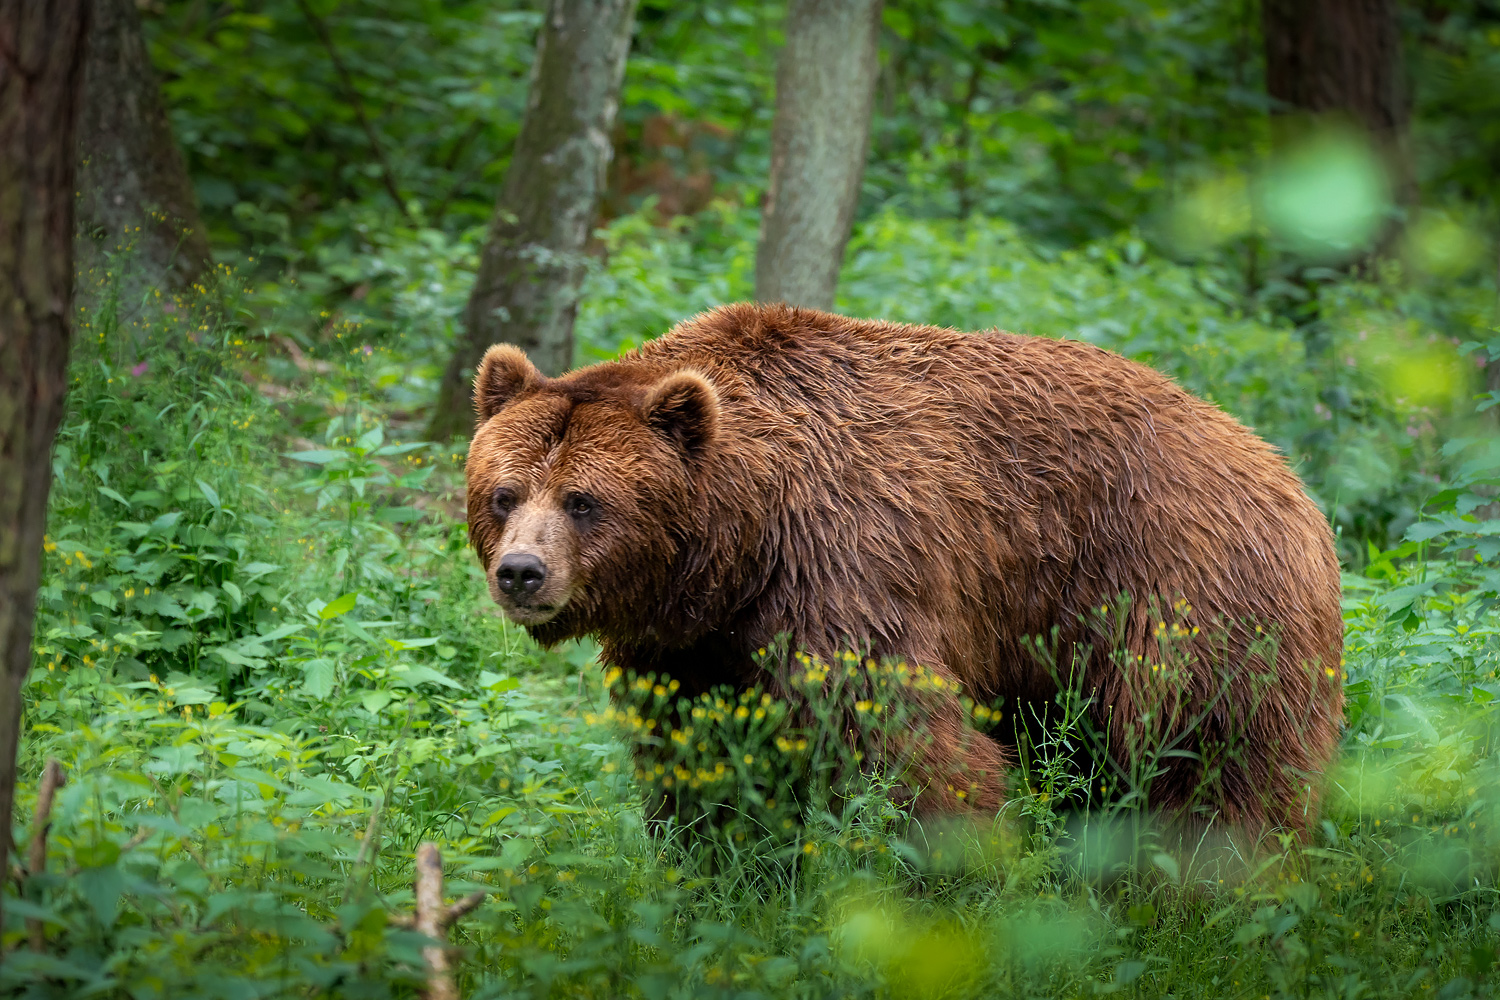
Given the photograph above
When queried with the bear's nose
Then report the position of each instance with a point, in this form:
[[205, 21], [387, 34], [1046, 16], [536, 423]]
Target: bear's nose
[[520, 573]]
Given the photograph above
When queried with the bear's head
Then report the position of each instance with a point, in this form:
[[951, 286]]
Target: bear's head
[[579, 486]]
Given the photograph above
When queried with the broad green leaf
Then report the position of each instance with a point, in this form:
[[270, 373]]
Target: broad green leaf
[[338, 606], [374, 701], [105, 490], [318, 677], [102, 886], [412, 643], [413, 676], [319, 457]]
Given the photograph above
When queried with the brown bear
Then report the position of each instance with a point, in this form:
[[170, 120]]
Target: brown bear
[[942, 497]]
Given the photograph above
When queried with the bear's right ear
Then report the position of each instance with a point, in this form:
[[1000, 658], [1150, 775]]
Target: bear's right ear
[[503, 375]]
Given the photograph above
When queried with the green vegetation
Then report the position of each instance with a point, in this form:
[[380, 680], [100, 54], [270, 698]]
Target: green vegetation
[[262, 637], [269, 666]]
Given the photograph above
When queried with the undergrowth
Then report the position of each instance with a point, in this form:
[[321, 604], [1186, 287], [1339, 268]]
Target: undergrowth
[[269, 666]]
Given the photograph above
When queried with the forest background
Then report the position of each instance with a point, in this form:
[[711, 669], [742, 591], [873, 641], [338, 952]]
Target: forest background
[[265, 659]]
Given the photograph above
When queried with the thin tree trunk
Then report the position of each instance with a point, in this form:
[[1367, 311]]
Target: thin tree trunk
[[133, 187], [526, 291], [1341, 58], [825, 92], [42, 46]]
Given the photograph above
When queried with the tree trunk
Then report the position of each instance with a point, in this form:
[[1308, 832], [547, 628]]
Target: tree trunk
[[133, 187], [1341, 58], [41, 79], [526, 291], [825, 91]]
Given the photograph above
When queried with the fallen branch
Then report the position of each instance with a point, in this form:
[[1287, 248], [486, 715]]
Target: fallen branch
[[433, 919], [36, 853]]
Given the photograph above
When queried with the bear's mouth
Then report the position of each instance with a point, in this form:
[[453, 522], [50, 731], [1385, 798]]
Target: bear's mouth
[[531, 614]]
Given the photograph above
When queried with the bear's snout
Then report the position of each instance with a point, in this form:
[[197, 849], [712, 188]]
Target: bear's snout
[[520, 573]]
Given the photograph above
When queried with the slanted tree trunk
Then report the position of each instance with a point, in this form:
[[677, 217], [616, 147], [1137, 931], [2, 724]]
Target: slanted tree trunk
[[133, 187], [41, 78], [825, 92], [526, 291], [1341, 58]]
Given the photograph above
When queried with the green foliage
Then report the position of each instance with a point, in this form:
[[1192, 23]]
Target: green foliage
[[316, 683], [294, 116], [270, 667]]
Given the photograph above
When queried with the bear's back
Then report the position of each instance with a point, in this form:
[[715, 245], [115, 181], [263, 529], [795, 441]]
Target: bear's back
[[1020, 473], [1034, 413]]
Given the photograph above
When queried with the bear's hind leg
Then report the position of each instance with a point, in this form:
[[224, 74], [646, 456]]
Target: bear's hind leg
[[955, 769]]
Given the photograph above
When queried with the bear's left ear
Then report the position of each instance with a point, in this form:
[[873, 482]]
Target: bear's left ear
[[685, 407]]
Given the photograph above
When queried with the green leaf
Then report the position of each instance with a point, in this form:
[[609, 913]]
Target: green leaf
[[338, 606], [105, 598], [193, 696], [413, 676], [102, 886], [319, 457], [114, 496], [374, 701], [318, 677], [412, 643], [499, 683], [210, 494], [173, 760], [97, 855]]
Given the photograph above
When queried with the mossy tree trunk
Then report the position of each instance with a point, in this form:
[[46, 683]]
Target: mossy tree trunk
[[825, 92], [133, 187], [42, 46], [1341, 59], [526, 291]]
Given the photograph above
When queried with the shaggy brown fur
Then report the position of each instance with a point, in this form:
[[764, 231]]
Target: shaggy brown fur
[[933, 495]]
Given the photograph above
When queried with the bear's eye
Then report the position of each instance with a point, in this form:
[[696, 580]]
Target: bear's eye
[[581, 506], [503, 501]]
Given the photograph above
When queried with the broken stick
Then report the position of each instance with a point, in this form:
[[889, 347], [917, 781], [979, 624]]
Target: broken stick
[[36, 853], [433, 919]]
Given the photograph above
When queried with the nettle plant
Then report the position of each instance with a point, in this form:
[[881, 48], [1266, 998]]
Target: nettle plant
[[355, 489]]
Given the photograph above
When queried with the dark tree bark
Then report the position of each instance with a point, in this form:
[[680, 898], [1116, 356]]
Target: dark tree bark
[[41, 78], [825, 92], [133, 185], [526, 291], [1341, 58]]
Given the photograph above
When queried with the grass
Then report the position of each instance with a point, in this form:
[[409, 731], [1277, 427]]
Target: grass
[[261, 637]]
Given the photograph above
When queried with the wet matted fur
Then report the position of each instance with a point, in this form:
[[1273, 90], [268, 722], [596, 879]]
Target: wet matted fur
[[765, 471]]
